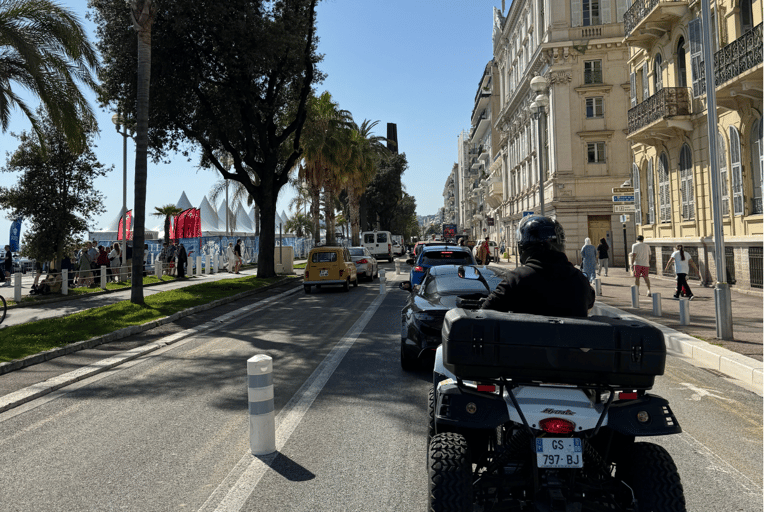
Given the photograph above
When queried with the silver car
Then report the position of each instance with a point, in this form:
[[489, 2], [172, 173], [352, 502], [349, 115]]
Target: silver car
[[365, 262]]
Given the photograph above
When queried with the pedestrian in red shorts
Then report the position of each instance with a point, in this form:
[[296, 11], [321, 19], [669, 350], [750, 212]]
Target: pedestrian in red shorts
[[641, 262]]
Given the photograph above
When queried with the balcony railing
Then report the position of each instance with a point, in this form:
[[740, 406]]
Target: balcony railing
[[741, 55], [635, 14], [669, 102]]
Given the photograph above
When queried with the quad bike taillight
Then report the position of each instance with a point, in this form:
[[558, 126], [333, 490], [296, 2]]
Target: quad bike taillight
[[557, 426]]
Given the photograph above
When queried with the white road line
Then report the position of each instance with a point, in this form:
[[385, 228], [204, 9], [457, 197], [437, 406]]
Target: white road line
[[250, 469]]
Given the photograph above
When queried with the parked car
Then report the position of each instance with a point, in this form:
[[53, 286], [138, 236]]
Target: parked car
[[367, 266], [440, 254], [422, 316], [329, 265]]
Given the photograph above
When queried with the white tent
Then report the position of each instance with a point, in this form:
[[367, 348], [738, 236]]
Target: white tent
[[183, 203]]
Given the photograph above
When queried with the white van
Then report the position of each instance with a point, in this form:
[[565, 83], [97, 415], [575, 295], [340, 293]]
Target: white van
[[379, 243]]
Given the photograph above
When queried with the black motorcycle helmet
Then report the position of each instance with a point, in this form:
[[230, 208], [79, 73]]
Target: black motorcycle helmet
[[536, 232]]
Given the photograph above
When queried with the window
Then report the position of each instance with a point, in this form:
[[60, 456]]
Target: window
[[658, 84], [447, 258], [590, 10], [594, 107], [736, 182], [323, 257], [724, 193], [646, 90], [697, 57], [368, 238], [593, 72], [596, 152], [651, 194], [665, 202], [745, 11], [382, 238], [633, 89], [688, 203], [636, 183], [682, 77], [756, 145]]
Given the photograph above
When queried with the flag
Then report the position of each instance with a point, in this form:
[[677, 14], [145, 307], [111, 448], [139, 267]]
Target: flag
[[15, 235]]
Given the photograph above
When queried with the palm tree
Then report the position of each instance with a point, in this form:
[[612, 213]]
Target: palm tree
[[142, 15], [46, 51], [168, 212], [366, 150]]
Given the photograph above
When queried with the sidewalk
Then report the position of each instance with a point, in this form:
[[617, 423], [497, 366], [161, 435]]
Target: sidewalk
[[741, 358]]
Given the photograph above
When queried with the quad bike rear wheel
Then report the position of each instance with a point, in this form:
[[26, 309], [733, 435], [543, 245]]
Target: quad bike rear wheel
[[450, 474], [652, 474]]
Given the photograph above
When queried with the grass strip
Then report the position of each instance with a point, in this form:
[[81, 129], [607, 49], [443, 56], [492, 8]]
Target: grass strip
[[18, 341]]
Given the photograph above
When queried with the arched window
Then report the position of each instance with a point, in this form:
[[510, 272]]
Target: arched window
[[687, 199], [636, 183], [665, 202], [650, 194], [736, 181], [682, 76], [745, 8], [723, 166], [756, 145], [658, 84]]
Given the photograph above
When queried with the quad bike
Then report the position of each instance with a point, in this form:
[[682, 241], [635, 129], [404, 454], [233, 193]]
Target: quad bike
[[531, 413]]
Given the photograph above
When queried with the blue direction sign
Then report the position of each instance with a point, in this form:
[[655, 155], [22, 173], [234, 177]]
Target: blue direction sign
[[623, 199]]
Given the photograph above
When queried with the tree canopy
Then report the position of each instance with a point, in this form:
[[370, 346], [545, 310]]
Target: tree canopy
[[229, 77]]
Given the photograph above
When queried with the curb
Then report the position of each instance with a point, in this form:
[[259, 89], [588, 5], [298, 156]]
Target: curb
[[47, 355], [736, 366]]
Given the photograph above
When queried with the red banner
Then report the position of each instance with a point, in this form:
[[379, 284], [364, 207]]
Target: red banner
[[128, 224]]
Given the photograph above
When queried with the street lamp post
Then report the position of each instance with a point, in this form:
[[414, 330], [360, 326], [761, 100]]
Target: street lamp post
[[537, 107], [118, 121]]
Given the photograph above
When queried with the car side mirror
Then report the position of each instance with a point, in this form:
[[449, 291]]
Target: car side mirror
[[405, 285], [469, 273], [409, 261]]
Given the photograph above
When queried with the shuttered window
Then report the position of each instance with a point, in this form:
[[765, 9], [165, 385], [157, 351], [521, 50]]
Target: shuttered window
[[650, 194], [646, 93], [723, 166], [636, 183], [687, 201], [621, 8], [697, 57], [658, 83], [632, 89], [736, 181], [665, 202], [576, 13]]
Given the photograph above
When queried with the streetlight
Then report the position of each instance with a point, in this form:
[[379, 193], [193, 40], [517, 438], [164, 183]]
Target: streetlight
[[117, 119], [537, 107]]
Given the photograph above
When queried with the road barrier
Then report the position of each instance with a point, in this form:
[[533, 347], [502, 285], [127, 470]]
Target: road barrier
[[261, 405], [397, 267], [635, 296], [17, 287], [656, 304], [382, 281], [598, 287], [685, 312]]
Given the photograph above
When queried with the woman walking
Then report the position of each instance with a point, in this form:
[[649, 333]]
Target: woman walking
[[230, 258], [238, 257], [602, 256], [682, 262], [114, 262], [588, 259]]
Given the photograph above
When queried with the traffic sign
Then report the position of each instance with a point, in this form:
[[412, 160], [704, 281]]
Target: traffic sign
[[622, 190], [526, 213], [623, 208], [623, 199]]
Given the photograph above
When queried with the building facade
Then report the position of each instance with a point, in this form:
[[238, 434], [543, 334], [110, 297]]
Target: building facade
[[670, 141]]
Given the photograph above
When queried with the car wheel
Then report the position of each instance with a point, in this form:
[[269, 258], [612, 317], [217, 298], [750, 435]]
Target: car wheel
[[307, 288], [346, 285], [407, 362], [355, 283]]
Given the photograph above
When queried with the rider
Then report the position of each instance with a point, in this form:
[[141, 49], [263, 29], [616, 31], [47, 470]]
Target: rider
[[547, 283]]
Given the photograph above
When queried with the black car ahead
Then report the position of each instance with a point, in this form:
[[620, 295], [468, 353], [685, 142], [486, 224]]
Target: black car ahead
[[423, 314]]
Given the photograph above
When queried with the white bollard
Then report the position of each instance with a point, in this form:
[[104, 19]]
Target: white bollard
[[17, 287], [397, 267], [598, 287], [635, 296], [208, 264], [199, 266], [190, 266], [382, 281], [261, 405], [685, 312], [656, 304], [103, 276], [65, 282], [159, 269]]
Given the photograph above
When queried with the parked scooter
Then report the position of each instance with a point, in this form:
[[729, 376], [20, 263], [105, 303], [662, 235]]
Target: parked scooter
[[536, 413]]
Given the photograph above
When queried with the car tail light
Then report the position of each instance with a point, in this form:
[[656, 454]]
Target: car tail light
[[627, 396], [390, 247], [418, 269], [487, 388], [341, 273], [557, 426], [362, 261], [306, 274]]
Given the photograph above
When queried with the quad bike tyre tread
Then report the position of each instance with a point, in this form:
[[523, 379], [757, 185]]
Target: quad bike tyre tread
[[450, 474], [652, 474]]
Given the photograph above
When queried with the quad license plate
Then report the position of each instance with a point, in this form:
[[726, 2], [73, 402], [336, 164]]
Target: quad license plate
[[324, 273], [559, 452]]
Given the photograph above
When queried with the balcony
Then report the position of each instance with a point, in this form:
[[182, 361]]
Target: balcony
[[495, 192], [739, 69], [661, 116], [647, 21], [479, 126]]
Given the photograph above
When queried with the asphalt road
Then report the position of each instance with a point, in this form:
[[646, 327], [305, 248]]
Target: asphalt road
[[170, 431]]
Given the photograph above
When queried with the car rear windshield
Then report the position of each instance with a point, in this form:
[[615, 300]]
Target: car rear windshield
[[381, 237], [447, 258], [450, 285], [323, 257], [356, 252]]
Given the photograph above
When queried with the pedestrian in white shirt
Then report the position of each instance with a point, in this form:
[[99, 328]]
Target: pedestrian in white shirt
[[641, 262], [682, 262]]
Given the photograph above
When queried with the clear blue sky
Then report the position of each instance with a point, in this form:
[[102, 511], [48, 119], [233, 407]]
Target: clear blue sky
[[416, 63]]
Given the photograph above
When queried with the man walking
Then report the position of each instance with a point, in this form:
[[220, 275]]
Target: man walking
[[181, 254], [641, 262]]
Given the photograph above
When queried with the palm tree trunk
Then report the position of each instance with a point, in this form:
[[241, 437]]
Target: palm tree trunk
[[315, 212], [330, 220], [354, 216]]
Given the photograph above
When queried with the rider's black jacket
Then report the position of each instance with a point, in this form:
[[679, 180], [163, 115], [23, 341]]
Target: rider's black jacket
[[548, 284]]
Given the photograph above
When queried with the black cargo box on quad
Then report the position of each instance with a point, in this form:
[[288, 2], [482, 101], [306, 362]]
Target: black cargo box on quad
[[601, 351]]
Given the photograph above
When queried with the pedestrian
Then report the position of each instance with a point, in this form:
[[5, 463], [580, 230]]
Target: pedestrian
[[641, 262], [181, 254], [461, 242], [7, 265], [114, 262], [602, 256], [682, 263], [483, 252], [238, 256], [230, 258], [171, 258], [84, 268], [93, 254], [588, 259]]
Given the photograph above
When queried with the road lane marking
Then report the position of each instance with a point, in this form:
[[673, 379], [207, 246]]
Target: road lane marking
[[234, 491], [699, 393]]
